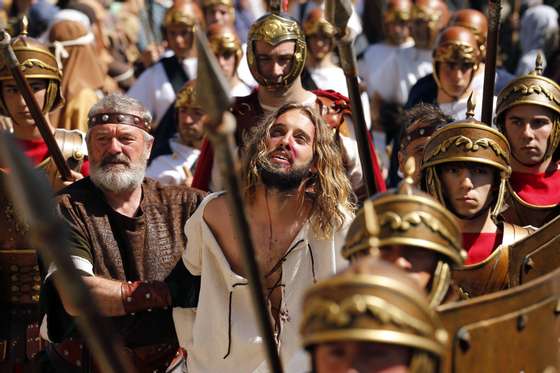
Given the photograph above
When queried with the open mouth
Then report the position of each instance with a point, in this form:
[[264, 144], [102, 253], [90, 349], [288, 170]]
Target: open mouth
[[281, 157]]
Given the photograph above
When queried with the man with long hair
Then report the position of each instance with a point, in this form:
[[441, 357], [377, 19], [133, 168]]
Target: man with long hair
[[297, 200]]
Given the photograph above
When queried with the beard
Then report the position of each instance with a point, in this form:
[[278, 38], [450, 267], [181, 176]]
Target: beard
[[282, 181], [117, 173]]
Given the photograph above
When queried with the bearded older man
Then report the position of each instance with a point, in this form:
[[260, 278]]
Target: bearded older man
[[126, 238]]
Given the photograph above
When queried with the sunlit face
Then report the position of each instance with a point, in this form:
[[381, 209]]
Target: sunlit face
[[118, 154], [467, 187], [274, 62], [455, 77], [180, 39], [291, 140], [16, 105], [419, 263], [362, 357], [190, 125], [528, 128], [320, 45], [218, 13]]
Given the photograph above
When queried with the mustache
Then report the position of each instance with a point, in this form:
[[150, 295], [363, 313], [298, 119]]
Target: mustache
[[115, 158]]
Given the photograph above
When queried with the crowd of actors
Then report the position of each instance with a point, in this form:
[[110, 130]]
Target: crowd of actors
[[352, 282]]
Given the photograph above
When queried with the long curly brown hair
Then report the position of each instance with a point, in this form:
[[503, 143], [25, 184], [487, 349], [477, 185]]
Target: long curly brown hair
[[328, 188]]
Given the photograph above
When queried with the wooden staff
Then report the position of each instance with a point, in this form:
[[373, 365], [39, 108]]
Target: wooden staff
[[494, 9], [338, 13]]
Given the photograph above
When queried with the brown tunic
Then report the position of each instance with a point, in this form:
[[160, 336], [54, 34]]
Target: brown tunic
[[145, 247]]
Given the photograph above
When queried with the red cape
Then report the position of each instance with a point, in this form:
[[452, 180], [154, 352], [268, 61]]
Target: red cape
[[480, 245]]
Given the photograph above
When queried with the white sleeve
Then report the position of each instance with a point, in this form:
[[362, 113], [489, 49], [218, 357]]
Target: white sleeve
[[144, 91], [385, 81]]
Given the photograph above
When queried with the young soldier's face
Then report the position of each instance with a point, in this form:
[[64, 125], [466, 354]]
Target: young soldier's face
[[218, 13], [419, 263], [398, 31], [455, 77], [190, 126], [528, 128], [320, 45], [180, 39], [467, 187], [17, 108], [363, 357], [226, 60], [274, 62]]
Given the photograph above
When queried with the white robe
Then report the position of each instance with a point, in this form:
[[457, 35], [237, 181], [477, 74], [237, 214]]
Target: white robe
[[154, 90], [400, 72], [221, 334], [374, 58], [169, 169]]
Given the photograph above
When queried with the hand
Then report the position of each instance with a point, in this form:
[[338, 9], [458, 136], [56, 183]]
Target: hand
[[59, 184]]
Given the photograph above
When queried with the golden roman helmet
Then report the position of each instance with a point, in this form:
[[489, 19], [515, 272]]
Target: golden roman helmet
[[455, 44], [376, 302], [36, 62], [433, 13], [396, 11], [467, 141], [274, 29], [223, 39], [187, 14], [186, 97], [406, 216], [316, 23], [533, 89], [476, 22], [228, 3]]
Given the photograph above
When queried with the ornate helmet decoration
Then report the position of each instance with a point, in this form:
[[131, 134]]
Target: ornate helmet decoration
[[228, 3], [36, 62], [434, 14], [409, 217], [467, 141], [476, 22], [397, 11], [187, 14], [223, 39], [274, 28], [186, 97], [316, 24], [374, 302], [458, 45], [533, 89]]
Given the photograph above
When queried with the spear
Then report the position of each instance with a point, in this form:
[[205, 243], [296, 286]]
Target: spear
[[50, 235], [494, 10], [10, 60], [215, 98], [338, 13]]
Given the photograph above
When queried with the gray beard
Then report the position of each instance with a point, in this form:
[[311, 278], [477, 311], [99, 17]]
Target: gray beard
[[118, 179]]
